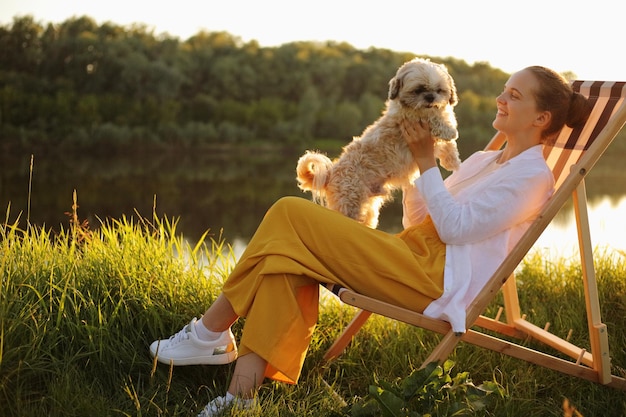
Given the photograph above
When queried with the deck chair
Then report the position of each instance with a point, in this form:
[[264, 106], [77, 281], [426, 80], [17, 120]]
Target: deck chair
[[571, 158]]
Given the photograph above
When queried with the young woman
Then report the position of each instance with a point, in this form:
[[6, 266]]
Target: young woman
[[456, 234]]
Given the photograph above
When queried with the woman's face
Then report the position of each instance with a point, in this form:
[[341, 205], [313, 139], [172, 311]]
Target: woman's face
[[517, 108]]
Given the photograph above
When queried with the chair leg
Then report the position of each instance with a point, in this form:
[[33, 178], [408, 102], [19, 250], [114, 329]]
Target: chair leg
[[443, 349], [511, 300], [351, 329], [597, 330]]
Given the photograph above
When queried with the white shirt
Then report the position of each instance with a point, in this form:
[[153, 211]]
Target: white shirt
[[480, 213]]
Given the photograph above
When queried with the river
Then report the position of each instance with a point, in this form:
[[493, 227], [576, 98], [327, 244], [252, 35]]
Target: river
[[227, 193]]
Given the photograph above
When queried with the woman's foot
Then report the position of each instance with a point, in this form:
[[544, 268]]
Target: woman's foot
[[186, 348], [221, 404]]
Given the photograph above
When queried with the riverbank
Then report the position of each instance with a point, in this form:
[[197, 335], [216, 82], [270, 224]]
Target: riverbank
[[78, 309]]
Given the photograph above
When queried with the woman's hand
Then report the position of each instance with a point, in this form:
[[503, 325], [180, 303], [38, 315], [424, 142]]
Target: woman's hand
[[421, 143]]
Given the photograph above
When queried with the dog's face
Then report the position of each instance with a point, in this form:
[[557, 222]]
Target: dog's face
[[420, 83]]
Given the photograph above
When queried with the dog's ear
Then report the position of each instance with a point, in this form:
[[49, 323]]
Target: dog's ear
[[454, 98], [395, 84]]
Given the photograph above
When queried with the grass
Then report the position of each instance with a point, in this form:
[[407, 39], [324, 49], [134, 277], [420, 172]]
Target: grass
[[78, 309]]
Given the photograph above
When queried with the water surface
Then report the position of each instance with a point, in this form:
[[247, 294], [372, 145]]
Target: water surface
[[229, 191]]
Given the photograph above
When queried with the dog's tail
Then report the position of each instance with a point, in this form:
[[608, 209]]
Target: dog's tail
[[312, 172]]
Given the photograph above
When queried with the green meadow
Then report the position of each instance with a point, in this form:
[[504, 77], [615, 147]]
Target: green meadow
[[79, 307]]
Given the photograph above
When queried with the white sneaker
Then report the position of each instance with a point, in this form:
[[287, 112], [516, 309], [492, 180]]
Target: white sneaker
[[221, 404], [185, 348]]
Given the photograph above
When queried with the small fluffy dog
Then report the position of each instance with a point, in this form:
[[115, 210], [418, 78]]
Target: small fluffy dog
[[370, 167]]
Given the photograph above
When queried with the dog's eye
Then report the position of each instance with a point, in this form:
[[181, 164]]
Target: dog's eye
[[420, 90]]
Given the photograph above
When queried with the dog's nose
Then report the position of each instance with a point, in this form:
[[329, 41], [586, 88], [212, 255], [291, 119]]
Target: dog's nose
[[429, 98]]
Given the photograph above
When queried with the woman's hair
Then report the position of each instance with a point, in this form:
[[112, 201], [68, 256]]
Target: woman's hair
[[555, 95]]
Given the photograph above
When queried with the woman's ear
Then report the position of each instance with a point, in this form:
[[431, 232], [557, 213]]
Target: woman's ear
[[543, 119]]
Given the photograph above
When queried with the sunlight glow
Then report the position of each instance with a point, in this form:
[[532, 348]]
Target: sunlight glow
[[606, 225], [556, 34]]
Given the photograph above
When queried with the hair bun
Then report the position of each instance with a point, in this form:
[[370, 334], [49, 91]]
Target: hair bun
[[579, 110]]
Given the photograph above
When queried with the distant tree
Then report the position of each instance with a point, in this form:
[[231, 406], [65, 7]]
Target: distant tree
[[308, 109], [20, 46], [77, 82]]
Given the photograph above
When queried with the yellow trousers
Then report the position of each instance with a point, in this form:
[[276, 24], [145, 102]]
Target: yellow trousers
[[275, 284]]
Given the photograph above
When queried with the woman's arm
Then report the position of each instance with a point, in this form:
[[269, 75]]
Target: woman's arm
[[482, 210], [487, 207], [422, 146], [421, 143]]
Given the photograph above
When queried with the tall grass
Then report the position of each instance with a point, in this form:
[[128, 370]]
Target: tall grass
[[78, 309]]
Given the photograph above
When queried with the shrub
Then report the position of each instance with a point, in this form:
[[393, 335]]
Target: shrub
[[430, 391]]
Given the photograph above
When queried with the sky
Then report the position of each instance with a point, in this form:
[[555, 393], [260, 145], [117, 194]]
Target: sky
[[584, 37]]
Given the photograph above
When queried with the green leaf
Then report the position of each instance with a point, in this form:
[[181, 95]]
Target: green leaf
[[369, 408], [416, 381], [391, 405], [448, 365]]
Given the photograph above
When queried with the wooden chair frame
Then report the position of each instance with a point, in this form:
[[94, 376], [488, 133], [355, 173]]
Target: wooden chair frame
[[608, 118]]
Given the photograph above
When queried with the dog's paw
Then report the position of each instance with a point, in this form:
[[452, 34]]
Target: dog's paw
[[448, 155], [443, 128], [445, 132], [450, 162]]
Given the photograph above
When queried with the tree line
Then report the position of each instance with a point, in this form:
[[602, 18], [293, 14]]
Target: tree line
[[79, 84]]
